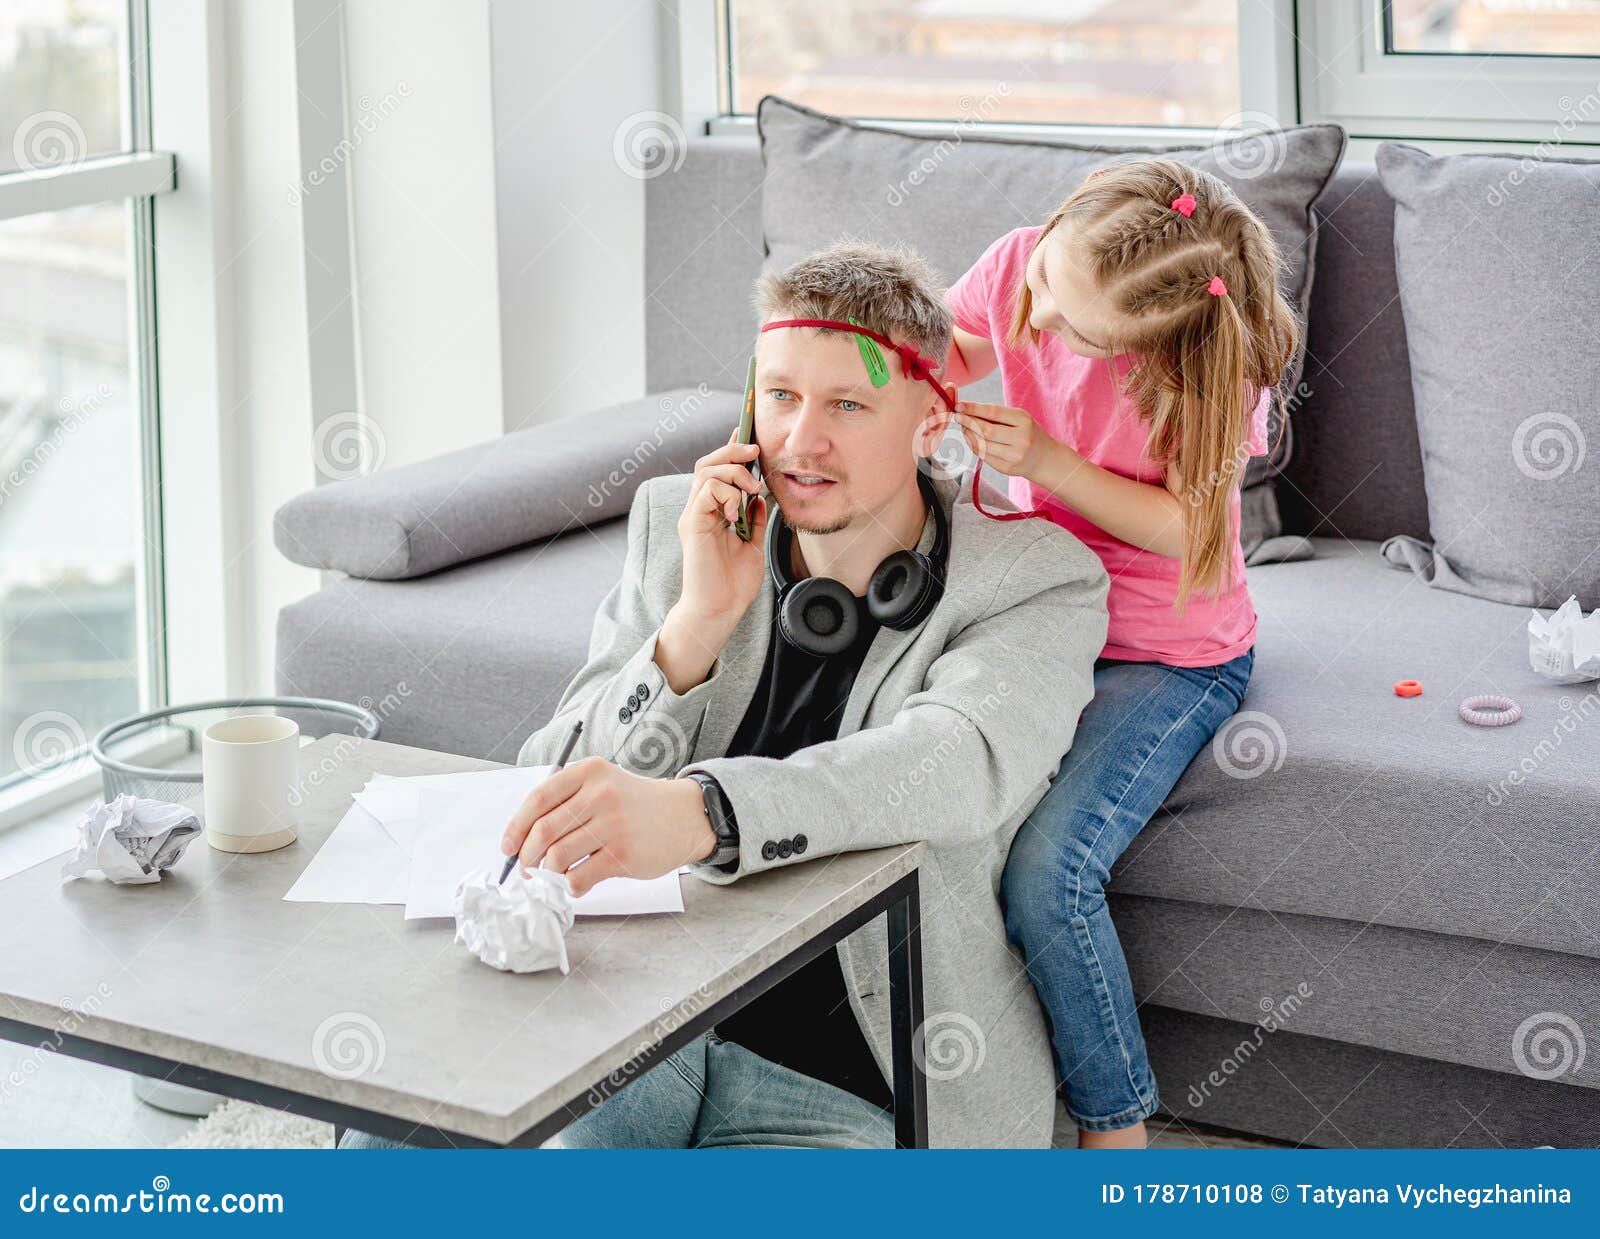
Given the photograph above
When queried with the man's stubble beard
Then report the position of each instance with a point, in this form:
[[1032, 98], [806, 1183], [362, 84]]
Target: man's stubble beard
[[799, 524], [837, 526]]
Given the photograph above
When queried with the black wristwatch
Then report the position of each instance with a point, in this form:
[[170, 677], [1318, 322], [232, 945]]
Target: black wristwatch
[[723, 824]]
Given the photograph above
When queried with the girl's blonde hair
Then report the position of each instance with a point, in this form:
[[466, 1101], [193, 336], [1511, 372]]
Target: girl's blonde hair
[[1201, 361]]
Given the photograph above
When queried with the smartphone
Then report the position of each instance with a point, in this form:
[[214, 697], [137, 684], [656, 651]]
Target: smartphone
[[747, 434]]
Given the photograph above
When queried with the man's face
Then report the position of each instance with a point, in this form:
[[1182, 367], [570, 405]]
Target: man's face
[[835, 450]]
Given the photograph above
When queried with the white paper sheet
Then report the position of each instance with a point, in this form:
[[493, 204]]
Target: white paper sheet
[[359, 863], [463, 824], [387, 837], [395, 802]]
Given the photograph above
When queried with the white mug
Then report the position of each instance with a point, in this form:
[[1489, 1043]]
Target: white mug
[[249, 765]]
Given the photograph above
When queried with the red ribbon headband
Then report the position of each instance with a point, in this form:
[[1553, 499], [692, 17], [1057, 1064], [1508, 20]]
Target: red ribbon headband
[[912, 363], [914, 366]]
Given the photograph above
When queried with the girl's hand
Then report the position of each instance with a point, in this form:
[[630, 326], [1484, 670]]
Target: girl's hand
[[1007, 439]]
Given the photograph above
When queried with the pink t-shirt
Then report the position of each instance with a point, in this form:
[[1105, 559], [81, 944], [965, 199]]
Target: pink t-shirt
[[1077, 400]]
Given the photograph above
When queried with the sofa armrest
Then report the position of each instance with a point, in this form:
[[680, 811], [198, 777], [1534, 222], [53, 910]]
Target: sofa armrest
[[527, 485]]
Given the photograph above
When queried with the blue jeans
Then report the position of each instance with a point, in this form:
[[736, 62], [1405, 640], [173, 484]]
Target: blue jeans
[[1137, 736], [713, 1094]]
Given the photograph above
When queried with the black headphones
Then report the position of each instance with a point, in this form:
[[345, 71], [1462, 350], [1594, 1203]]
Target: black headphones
[[818, 614]]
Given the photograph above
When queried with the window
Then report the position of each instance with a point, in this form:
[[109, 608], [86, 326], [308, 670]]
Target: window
[[1495, 27], [1094, 62], [1498, 71], [64, 70], [1521, 72], [80, 590]]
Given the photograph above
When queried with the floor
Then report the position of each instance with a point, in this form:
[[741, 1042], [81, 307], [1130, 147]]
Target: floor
[[48, 1100]]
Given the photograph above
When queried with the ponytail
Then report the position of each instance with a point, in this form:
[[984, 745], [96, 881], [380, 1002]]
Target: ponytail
[[1203, 435]]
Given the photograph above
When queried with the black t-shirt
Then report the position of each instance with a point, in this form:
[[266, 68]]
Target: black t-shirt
[[805, 1021]]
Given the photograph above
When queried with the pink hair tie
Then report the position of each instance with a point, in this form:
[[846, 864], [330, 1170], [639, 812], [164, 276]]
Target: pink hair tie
[[1216, 288], [1489, 710], [1183, 204]]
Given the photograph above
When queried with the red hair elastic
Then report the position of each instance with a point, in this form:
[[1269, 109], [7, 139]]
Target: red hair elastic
[[1216, 288], [1183, 204], [914, 366]]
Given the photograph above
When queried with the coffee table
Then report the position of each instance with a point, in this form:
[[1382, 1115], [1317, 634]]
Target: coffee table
[[350, 1014]]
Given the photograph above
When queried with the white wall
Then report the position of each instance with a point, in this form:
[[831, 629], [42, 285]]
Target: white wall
[[426, 279], [571, 220], [497, 243], [266, 413], [424, 223]]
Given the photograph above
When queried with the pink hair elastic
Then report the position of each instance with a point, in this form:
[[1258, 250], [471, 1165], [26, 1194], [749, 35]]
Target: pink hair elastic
[[914, 366], [1489, 710], [1183, 204], [1217, 288]]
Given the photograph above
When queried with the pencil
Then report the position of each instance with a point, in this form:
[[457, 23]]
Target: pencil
[[566, 752]]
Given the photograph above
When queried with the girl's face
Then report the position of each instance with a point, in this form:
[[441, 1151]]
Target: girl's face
[[1066, 301]]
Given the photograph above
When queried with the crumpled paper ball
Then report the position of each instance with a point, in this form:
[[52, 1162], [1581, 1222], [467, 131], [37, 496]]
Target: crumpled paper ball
[[131, 841], [1565, 647], [516, 926]]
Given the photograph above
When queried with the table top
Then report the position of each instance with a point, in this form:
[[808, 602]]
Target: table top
[[353, 1004]]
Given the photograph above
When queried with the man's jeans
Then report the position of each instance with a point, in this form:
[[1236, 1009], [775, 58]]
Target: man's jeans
[[713, 1094], [1137, 736]]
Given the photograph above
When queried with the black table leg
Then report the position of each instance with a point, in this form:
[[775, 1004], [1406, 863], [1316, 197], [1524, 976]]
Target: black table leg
[[905, 1018]]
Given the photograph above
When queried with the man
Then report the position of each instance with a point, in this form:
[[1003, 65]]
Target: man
[[945, 729]]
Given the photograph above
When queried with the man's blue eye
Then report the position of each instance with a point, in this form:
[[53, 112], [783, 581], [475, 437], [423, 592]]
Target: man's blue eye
[[850, 406], [778, 393]]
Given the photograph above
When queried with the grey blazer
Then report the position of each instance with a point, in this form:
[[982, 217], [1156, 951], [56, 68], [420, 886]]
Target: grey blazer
[[950, 736]]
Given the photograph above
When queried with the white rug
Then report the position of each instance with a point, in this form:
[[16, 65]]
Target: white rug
[[240, 1125]]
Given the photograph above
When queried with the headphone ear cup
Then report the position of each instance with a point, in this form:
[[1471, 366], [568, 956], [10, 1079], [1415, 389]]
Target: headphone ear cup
[[902, 590], [818, 615]]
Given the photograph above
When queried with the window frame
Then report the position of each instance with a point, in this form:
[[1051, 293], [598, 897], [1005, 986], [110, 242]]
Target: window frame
[[1268, 89], [1349, 77], [1298, 64]]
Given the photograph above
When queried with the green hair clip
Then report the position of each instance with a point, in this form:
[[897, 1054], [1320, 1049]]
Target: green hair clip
[[872, 355]]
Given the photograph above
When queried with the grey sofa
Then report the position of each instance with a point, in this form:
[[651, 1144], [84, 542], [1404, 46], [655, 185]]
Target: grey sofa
[[1346, 927]]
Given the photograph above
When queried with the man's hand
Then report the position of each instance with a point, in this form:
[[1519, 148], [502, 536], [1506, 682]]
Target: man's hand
[[721, 572], [626, 825], [1008, 439]]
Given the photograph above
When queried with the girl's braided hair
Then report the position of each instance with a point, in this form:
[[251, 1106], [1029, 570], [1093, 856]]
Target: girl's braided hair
[[1204, 351]]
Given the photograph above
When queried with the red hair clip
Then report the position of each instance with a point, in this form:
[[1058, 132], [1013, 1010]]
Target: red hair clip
[[1216, 288], [1183, 204]]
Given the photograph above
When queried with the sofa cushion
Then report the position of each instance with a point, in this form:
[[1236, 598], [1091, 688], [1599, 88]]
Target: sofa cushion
[[950, 195], [1355, 469], [471, 660], [1500, 285], [1328, 795], [530, 484]]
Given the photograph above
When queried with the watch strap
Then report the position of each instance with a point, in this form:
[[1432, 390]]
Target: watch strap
[[723, 823]]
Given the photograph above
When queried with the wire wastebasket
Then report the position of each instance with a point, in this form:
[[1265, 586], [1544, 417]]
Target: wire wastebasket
[[168, 742]]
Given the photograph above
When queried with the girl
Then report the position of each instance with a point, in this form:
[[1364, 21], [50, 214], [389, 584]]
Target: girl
[[1135, 333]]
